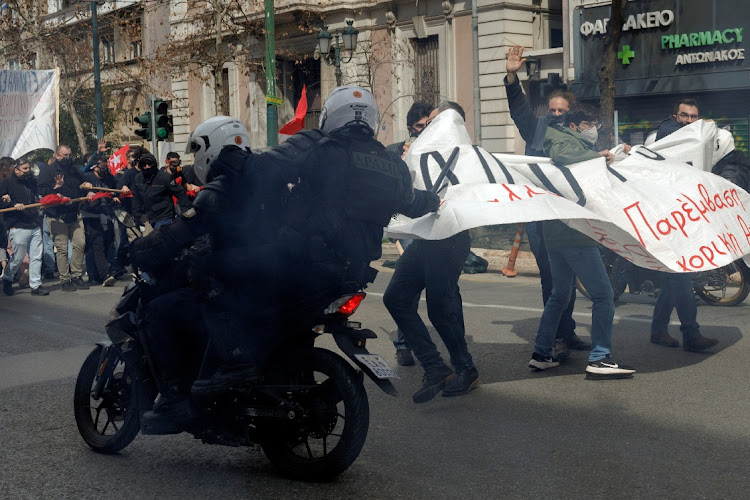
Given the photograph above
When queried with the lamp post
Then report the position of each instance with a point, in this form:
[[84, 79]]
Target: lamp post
[[97, 72], [349, 35]]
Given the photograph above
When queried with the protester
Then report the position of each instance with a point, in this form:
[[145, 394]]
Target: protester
[[573, 252], [676, 288], [153, 192], [98, 225], [533, 131], [434, 266], [416, 121], [61, 177], [25, 230]]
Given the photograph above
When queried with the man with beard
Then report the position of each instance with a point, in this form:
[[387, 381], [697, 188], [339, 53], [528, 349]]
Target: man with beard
[[25, 226], [533, 130], [153, 192], [61, 177]]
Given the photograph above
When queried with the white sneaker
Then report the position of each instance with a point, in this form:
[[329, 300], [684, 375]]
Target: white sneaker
[[541, 363], [607, 368]]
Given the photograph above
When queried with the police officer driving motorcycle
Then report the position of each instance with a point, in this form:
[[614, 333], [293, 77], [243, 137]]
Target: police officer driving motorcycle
[[290, 229]]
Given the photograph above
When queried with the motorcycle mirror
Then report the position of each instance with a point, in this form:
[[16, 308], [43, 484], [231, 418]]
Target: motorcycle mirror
[[124, 218]]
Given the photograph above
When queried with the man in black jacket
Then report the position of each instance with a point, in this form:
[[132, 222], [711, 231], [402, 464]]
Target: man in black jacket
[[61, 177], [676, 288], [533, 130], [98, 225], [153, 192], [24, 225]]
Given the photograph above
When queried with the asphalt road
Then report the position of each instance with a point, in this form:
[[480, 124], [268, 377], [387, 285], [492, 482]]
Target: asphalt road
[[678, 429]]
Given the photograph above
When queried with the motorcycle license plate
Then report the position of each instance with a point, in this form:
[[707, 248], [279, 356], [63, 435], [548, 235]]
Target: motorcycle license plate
[[377, 365]]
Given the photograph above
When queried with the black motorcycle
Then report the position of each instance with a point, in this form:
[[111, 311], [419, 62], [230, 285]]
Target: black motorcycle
[[309, 412]]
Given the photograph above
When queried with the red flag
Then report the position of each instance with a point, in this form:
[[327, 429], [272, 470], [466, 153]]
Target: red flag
[[101, 195], [298, 122], [53, 199], [119, 160]]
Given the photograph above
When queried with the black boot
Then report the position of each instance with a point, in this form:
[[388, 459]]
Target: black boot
[[171, 413]]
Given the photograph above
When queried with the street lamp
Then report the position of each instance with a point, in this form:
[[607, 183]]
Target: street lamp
[[349, 35]]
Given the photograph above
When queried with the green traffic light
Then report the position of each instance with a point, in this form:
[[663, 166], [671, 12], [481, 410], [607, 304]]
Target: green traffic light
[[144, 121], [163, 119]]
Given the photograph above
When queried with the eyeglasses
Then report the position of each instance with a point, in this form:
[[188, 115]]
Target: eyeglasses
[[685, 116]]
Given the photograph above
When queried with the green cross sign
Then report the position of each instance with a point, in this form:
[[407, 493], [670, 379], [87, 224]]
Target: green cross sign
[[625, 54]]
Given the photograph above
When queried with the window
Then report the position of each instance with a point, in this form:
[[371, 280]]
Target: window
[[136, 49], [108, 50], [426, 70], [14, 65]]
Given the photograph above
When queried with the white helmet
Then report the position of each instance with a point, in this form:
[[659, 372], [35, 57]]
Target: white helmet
[[348, 105], [210, 137]]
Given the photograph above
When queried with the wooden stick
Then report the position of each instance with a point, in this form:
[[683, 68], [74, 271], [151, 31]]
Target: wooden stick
[[35, 205], [108, 190]]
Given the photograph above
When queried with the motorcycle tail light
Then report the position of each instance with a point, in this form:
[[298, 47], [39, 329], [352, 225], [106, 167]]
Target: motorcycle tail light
[[346, 305]]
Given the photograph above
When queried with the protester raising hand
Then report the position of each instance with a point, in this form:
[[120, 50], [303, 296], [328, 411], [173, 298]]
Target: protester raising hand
[[514, 62]]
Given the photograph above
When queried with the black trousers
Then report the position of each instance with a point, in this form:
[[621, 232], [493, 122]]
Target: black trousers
[[99, 238]]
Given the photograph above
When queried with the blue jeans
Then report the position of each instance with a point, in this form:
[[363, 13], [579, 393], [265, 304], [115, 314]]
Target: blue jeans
[[48, 257], [676, 293], [567, 326], [24, 241], [432, 266], [586, 263]]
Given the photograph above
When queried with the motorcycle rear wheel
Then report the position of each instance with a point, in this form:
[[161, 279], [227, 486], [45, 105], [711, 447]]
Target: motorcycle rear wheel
[[110, 423], [325, 442], [725, 287]]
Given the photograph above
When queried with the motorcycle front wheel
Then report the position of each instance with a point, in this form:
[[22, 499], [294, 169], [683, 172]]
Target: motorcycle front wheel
[[110, 423], [328, 437], [726, 286]]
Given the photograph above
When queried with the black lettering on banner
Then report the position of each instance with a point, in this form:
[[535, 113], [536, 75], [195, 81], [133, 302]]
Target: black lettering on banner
[[537, 170], [485, 166], [508, 177], [425, 169], [653, 156], [445, 168], [617, 174]]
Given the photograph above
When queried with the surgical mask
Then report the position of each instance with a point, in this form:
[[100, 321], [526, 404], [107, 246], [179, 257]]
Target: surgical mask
[[590, 135]]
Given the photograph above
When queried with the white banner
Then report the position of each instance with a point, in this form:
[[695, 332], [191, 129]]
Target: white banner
[[28, 111], [657, 212]]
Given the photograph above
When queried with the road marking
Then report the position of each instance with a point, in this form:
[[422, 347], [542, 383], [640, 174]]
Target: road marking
[[41, 366], [539, 311]]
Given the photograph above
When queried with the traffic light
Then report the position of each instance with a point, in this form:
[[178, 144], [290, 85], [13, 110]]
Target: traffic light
[[163, 120], [144, 121]]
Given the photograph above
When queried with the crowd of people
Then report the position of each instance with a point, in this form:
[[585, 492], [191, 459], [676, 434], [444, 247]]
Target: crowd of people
[[61, 222], [331, 244]]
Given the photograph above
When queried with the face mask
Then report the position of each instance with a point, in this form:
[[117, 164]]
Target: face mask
[[590, 135], [148, 171], [555, 119], [27, 176], [66, 163]]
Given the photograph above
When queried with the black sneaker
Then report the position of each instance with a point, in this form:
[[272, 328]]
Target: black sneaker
[[68, 286], [463, 383], [231, 377], [540, 362], [8, 287], [169, 415], [577, 343], [110, 280], [607, 368], [78, 282], [40, 290], [404, 357], [433, 381]]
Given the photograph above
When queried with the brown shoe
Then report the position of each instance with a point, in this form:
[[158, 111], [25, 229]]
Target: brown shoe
[[699, 343], [665, 339]]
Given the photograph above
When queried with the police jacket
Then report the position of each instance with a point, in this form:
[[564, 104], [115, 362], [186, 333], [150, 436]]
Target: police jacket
[[24, 192], [346, 189], [153, 197], [72, 179]]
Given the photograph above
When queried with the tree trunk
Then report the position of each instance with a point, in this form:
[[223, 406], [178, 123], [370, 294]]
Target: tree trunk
[[218, 63], [79, 128], [606, 74]]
